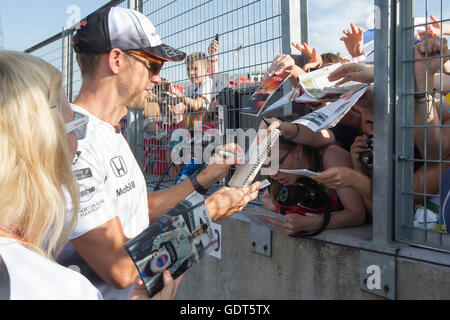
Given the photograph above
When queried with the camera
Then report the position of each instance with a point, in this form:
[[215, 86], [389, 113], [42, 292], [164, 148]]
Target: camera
[[366, 156], [306, 193]]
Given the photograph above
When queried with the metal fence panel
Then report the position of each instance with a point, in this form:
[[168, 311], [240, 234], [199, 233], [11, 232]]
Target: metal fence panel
[[250, 36], [421, 149]]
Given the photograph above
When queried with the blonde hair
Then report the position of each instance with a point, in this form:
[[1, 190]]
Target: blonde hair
[[35, 162], [197, 56]]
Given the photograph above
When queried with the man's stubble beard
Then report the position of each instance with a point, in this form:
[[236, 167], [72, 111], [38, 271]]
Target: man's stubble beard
[[134, 99]]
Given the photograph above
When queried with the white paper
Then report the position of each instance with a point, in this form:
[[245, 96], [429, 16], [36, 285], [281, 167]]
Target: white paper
[[264, 184], [300, 172], [257, 217], [328, 116], [279, 103], [316, 84], [257, 154]]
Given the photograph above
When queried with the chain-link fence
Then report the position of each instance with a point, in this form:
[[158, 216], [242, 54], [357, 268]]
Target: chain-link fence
[[249, 37], [422, 154]]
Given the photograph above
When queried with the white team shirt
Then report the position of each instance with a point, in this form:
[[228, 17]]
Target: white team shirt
[[111, 185], [34, 277]]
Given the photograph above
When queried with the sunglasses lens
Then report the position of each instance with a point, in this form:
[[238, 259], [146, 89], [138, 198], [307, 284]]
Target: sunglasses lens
[[155, 68]]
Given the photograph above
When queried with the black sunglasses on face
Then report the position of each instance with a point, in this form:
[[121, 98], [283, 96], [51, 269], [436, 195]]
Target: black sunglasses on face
[[280, 162], [153, 66]]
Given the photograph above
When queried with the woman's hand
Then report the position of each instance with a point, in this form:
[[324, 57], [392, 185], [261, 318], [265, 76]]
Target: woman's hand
[[296, 223]]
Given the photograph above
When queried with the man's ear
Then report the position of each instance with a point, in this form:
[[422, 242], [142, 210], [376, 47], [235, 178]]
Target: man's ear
[[116, 60]]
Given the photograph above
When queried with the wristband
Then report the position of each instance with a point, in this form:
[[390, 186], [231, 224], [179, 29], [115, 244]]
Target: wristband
[[296, 133], [197, 185]]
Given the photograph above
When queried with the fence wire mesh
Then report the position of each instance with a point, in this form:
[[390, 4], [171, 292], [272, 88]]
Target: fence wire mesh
[[422, 135], [249, 37]]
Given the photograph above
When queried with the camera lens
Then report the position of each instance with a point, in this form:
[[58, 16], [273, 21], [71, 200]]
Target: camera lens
[[366, 158]]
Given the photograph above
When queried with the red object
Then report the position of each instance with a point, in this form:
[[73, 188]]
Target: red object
[[334, 205], [179, 88], [156, 150], [239, 81]]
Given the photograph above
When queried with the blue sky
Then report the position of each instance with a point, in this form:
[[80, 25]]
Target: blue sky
[[44, 18], [28, 22]]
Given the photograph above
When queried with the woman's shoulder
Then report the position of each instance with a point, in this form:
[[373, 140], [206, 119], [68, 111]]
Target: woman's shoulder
[[35, 277]]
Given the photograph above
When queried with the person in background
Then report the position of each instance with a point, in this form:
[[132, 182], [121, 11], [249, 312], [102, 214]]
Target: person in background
[[202, 89], [304, 214]]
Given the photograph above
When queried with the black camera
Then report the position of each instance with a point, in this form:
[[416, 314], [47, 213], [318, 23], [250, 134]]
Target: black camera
[[307, 193], [366, 156]]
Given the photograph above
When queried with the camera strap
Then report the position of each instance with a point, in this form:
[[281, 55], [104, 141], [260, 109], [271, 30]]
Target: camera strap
[[326, 220]]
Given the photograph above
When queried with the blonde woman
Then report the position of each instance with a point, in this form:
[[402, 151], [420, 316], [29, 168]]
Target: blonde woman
[[35, 182]]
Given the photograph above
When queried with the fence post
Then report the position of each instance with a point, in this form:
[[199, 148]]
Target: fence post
[[135, 118], [384, 133], [294, 28], [67, 61], [404, 177], [383, 169]]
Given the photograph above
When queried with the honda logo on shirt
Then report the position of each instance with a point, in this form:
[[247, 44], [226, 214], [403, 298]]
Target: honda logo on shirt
[[118, 166]]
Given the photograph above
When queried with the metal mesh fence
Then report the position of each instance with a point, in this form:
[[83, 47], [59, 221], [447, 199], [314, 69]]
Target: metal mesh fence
[[249, 36], [422, 153]]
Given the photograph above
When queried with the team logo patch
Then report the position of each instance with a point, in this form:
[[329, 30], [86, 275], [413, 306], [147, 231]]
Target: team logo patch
[[83, 174], [171, 52], [160, 262], [86, 193], [118, 166]]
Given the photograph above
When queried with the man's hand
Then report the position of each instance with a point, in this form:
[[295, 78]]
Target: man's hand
[[167, 293], [227, 201], [219, 165], [296, 223], [352, 72], [315, 60], [354, 41]]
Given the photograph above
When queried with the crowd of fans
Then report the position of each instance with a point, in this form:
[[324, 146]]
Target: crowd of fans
[[345, 152], [43, 135]]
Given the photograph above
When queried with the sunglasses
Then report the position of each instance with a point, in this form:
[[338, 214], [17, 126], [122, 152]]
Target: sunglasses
[[280, 162], [78, 125], [154, 66]]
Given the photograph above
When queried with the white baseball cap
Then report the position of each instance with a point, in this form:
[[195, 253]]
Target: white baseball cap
[[125, 29]]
